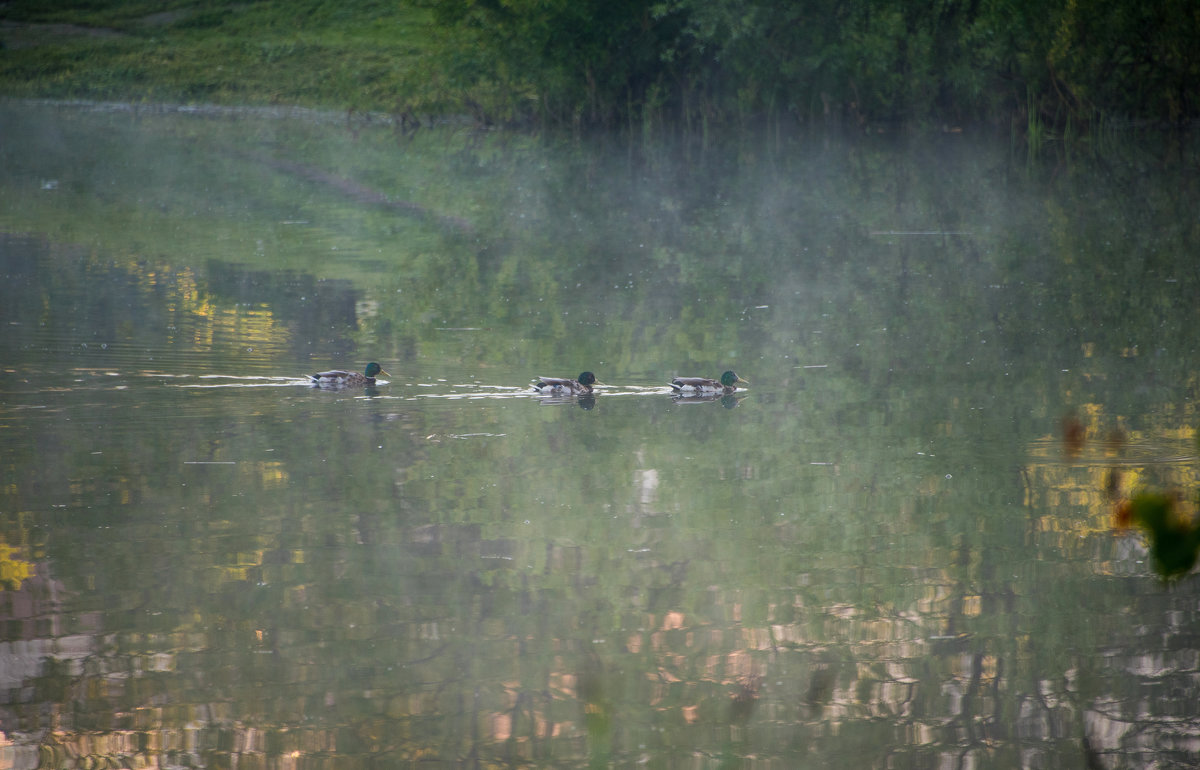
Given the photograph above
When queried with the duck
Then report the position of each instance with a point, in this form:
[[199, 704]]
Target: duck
[[702, 385], [339, 378], [559, 386]]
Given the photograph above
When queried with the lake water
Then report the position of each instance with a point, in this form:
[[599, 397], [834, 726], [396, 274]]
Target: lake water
[[894, 548]]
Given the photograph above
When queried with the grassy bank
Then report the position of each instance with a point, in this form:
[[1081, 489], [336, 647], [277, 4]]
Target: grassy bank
[[366, 55], [1059, 70]]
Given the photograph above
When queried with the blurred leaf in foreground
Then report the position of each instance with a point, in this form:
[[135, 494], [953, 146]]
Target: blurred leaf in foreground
[[1174, 538]]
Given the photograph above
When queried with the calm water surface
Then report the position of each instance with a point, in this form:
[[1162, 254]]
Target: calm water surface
[[886, 552]]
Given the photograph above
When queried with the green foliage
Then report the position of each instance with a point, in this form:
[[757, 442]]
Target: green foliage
[[1174, 540], [700, 61], [1039, 66], [1132, 58], [561, 61]]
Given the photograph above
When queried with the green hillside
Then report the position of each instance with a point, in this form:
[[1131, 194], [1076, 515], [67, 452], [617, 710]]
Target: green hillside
[[1066, 65]]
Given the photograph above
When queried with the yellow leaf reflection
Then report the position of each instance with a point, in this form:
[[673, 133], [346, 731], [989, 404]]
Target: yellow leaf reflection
[[13, 571]]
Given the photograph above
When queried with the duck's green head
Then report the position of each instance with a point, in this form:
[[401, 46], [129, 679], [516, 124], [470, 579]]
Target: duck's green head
[[587, 378], [374, 369], [729, 379]]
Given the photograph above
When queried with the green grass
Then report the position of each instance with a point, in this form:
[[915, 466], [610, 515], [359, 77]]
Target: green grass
[[371, 55]]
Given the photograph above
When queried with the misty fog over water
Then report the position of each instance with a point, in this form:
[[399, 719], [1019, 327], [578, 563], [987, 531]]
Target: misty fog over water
[[898, 545]]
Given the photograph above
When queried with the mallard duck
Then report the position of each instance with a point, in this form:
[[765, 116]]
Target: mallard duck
[[702, 385], [338, 378], [558, 386]]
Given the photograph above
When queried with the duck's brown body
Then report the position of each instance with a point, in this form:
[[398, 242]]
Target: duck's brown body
[[340, 378], [561, 386], [705, 386]]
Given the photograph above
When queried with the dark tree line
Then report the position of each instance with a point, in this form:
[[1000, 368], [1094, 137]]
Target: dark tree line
[[712, 62]]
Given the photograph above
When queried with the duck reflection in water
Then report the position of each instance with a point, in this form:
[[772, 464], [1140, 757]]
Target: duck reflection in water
[[583, 402], [728, 400]]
